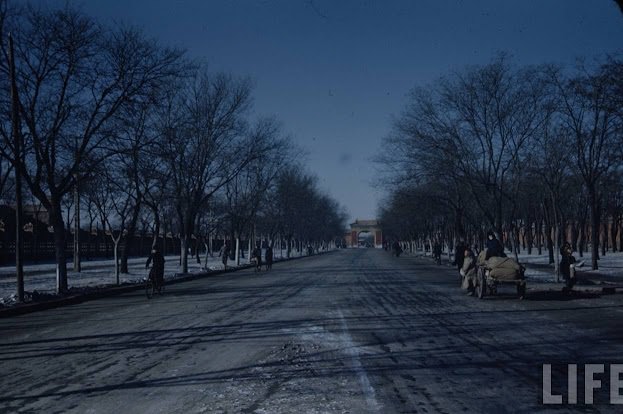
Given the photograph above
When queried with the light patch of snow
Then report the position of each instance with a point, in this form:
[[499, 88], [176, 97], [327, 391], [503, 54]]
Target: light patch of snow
[[609, 265]]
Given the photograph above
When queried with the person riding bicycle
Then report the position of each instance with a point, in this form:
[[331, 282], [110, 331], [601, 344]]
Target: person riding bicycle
[[156, 274]]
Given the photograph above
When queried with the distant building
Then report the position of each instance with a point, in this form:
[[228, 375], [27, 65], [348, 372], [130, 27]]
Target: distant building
[[365, 226]]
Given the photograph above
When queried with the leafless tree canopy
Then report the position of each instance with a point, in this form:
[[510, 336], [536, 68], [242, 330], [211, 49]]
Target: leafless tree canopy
[[507, 148]]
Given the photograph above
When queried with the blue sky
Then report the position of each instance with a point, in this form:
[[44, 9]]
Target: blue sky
[[335, 72]]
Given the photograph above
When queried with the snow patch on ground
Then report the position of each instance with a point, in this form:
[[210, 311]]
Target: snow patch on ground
[[40, 279]]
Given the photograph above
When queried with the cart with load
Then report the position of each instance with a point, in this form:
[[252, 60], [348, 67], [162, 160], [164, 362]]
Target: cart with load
[[496, 271]]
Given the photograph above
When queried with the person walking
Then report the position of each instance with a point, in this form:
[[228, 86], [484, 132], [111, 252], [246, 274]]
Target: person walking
[[459, 253], [257, 257], [269, 257], [224, 253], [437, 252]]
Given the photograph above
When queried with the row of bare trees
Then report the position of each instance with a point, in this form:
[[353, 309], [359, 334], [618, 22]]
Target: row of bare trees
[[127, 131], [532, 151]]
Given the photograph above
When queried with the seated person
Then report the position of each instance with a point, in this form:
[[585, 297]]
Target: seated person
[[494, 247]]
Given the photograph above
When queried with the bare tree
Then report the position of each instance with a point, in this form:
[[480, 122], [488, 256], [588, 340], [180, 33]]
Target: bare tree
[[248, 190], [74, 76], [588, 114], [471, 133], [114, 203], [552, 166], [205, 144]]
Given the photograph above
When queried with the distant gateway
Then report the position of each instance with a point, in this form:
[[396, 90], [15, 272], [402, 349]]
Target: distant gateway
[[363, 226]]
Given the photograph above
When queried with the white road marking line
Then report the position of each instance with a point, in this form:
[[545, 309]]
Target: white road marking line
[[350, 348]]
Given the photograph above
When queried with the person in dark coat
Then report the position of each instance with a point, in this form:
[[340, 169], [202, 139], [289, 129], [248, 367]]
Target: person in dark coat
[[437, 252], [257, 258], [567, 265], [397, 249], [459, 253], [268, 256], [494, 247], [156, 274]]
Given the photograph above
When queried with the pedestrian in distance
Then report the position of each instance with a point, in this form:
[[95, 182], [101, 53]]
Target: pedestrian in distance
[[156, 274], [269, 257], [397, 248], [224, 253], [437, 252], [459, 253], [256, 257]]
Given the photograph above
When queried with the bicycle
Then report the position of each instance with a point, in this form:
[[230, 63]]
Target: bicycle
[[152, 287]]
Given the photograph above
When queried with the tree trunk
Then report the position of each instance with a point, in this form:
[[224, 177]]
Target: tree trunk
[[574, 236], [237, 258], [154, 241], [197, 244], [529, 238], [104, 238], [208, 252], [557, 251], [514, 243], [164, 238], [550, 243], [125, 252], [116, 256], [59, 246], [77, 263], [187, 229], [539, 238], [594, 204], [184, 253], [604, 238], [581, 237], [614, 230]]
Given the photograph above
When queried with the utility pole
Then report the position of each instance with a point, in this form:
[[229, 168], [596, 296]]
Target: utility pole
[[15, 120], [77, 265]]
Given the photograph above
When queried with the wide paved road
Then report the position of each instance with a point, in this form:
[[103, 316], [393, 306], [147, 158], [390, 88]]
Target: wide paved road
[[355, 331]]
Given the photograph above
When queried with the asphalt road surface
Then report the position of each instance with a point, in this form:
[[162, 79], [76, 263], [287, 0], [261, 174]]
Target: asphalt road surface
[[355, 331]]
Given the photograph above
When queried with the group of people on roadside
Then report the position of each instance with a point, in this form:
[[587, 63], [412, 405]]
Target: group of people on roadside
[[156, 260], [256, 256], [467, 263]]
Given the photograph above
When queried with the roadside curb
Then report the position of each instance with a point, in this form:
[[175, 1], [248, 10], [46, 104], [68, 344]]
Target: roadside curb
[[21, 309]]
